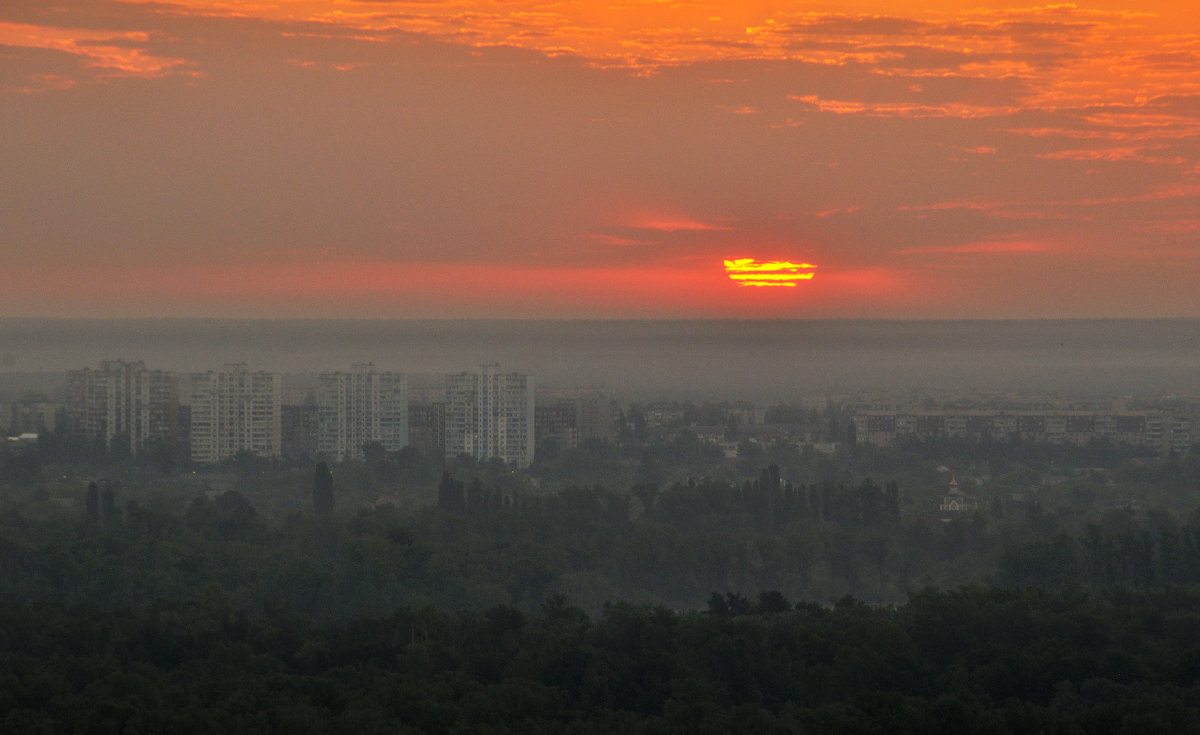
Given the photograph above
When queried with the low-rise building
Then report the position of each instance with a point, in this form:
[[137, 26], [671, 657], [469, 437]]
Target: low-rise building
[[1156, 430]]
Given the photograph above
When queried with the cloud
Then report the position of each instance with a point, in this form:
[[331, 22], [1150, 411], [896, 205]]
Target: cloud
[[900, 109], [991, 247], [1130, 153], [838, 210], [124, 53], [617, 240], [670, 223], [1184, 224]]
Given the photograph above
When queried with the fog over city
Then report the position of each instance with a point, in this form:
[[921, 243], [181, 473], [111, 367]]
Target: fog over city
[[762, 361]]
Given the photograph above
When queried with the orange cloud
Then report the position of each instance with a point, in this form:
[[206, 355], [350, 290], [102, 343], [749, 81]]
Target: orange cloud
[[900, 109], [116, 52], [1130, 153], [948, 59]]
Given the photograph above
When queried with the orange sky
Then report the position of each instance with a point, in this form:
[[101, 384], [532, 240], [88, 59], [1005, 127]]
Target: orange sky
[[591, 159]]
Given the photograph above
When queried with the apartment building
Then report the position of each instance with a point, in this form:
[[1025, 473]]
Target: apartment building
[[121, 405], [359, 407], [235, 410], [489, 415]]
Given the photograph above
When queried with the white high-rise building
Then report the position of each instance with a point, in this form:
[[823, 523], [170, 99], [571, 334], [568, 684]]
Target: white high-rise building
[[461, 396], [359, 407], [490, 415], [235, 410], [122, 404]]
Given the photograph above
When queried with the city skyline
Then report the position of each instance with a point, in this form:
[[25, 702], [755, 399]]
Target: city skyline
[[125, 408], [588, 160]]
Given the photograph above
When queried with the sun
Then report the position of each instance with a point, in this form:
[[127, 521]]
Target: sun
[[768, 274]]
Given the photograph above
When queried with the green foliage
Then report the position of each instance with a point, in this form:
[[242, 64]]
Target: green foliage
[[969, 660], [491, 609], [21, 468], [323, 489], [487, 544]]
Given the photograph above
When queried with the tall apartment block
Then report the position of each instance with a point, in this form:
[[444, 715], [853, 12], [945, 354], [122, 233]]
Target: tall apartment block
[[489, 415], [122, 404], [359, 407], [235, 410]]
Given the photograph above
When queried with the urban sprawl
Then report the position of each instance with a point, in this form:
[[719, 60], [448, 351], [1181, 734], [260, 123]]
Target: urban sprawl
[[491, 414]]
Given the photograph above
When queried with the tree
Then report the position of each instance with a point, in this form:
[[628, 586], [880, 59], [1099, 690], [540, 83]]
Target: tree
[[772, 602], [93, 504], [163, 455], [649, 473], [21, 468], [108, 505], [451, 493], [323, 489], [374, 453]]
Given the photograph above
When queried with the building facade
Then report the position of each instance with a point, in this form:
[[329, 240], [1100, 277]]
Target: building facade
[[30, 416], [235, 410], [299, 430], [557, 420], [427, 427], [489, 415], [576, 416], [360, 407], [122, 405]]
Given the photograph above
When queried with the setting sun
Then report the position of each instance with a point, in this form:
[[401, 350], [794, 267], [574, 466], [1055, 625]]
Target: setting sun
[[536, 159], [749, 272]]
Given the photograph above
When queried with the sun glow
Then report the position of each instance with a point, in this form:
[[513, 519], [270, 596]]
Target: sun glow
[[774, 273]]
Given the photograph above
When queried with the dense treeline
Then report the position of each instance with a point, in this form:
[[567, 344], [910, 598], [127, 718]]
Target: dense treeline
[[127, 613], [972, 660], [484, 545], [1123, 547]]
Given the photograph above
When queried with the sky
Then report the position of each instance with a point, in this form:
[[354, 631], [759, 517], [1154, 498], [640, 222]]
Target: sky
[[576, 159]]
